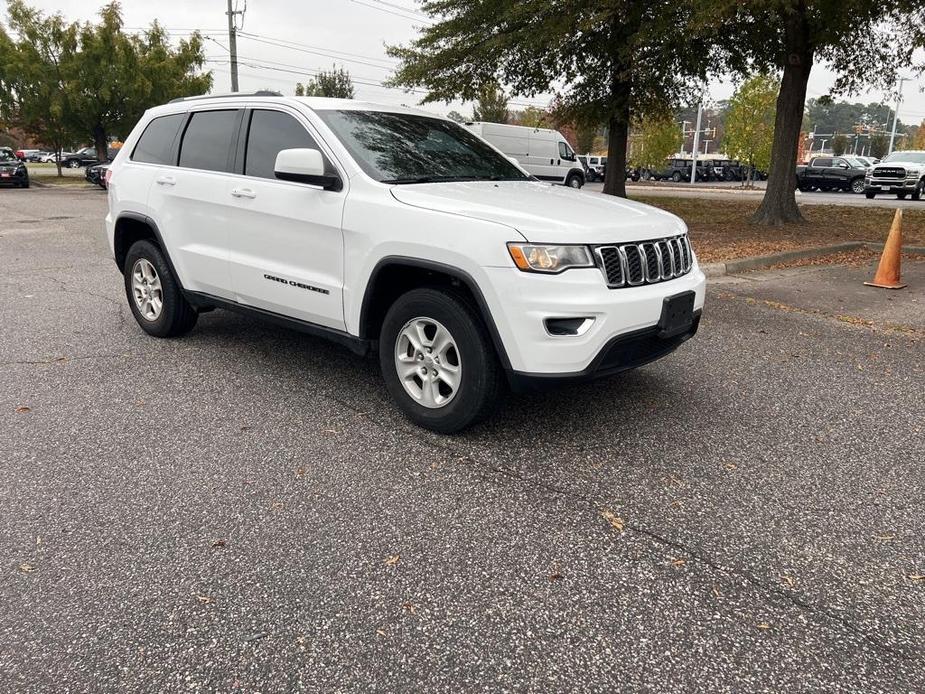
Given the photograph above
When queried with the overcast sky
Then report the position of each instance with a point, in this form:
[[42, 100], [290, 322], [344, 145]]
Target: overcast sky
[[351, 33]]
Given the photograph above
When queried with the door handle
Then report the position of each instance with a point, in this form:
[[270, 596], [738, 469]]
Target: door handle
[[550, 162], [243, 193], [166, 180]]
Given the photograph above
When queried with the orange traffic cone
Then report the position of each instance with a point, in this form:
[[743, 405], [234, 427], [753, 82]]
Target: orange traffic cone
[[887, 276]]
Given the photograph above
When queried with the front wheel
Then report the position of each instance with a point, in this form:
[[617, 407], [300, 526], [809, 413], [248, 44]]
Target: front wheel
[[574, 181], [676, 177], [857, 186], [870, 195], [919, 190], [900, 196], [438, 361]]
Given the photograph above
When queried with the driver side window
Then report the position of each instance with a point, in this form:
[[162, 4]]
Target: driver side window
[[565, 152]]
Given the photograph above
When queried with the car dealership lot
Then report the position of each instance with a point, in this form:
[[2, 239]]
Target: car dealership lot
[[243, 509]]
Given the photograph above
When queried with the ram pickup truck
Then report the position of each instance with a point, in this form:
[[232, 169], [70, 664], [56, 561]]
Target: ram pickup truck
[[900, 173], [829, 173]]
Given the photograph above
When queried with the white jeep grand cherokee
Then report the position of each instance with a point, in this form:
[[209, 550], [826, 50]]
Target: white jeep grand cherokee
[[389, 229]]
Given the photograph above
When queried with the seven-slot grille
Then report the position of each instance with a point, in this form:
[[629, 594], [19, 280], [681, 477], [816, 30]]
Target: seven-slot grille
[[648, 262]]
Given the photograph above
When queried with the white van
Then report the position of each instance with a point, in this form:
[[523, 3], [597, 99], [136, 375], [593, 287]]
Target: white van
[[542, 153]]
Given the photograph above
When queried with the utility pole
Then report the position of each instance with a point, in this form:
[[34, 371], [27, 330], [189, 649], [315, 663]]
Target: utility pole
[[899, 98], [233, 42], [683, 135], [696, 143]]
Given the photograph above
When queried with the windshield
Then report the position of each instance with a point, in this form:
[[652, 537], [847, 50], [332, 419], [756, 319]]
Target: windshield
[[913, 157], [857, 163], [407, 148], [7, 155]]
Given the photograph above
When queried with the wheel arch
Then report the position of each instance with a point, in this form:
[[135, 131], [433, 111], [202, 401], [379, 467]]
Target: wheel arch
[[394, 275], [134, 226]]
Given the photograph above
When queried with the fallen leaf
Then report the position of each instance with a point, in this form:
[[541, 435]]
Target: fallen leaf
[[886, 538], [716, 591], [392, 559], [788, 580], [409, 608], [731, 466], [678, 562], [916, 577], [764, 625], [26, 567], [205, 599], [615, 521], [380, 632], [556, 574], [23, 408], [218, 543]]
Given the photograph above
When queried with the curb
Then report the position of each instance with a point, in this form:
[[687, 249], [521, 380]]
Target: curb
[[733, 267]]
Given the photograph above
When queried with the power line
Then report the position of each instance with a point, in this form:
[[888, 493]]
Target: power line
[[275, 43], [419, 18]]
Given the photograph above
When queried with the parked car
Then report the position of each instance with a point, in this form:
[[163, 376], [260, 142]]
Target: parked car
[[543, 153], [13, 171], [902, 173], [678, 170], [24, 154], [96, 174], [831, 173], [85, 157], [870, 161], [393, 230], [36, 156], [597, 167]]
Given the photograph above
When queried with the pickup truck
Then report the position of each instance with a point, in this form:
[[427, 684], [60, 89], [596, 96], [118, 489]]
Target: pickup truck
[[828, 173]]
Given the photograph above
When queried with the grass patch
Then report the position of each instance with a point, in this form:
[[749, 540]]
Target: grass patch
[[52, 178], [720, 230]]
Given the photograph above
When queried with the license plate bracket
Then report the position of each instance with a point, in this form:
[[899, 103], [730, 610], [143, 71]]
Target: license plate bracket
[[677, 315]]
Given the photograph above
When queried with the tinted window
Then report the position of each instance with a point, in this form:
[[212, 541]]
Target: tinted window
[[822, 162], [207, 140], [406, 148], [270, 132]]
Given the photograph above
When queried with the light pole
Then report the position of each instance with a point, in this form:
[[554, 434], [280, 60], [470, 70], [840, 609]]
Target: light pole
[[899, 98], [696, 143]]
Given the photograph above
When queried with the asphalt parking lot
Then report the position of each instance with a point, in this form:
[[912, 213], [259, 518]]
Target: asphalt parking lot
[[243, 510]]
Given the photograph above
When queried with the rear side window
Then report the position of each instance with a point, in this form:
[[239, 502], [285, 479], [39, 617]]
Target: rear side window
[[270, 132], [156, 142], [208, 140], [822, 162]]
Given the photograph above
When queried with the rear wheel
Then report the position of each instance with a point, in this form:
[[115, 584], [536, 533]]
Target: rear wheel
[[154, 295], [438, 361]]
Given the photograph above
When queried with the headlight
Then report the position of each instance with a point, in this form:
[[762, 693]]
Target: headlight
[[532, 257]]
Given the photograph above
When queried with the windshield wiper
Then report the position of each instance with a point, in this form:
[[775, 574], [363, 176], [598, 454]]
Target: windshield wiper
[[432, 179]]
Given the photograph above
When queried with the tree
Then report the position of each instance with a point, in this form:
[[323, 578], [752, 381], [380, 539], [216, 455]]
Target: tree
[[115, 77], [865, 42], [532, 117], [750, 122], [335, 84], [616, 60], [879, 144], [839, 145], [491, 106], [584, 136], [917, 138], [658, 138], [456, 117], [32, 79]]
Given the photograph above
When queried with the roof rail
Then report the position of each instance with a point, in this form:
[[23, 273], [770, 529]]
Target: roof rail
[[262, 92]]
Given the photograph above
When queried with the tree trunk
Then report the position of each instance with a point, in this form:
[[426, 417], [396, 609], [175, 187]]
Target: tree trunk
[[617, 136], [779, 205], [100, 142]]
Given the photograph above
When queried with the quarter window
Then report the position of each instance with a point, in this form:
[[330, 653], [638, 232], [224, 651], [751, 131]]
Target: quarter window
[[269, 133], [208, 139], [156, 142]]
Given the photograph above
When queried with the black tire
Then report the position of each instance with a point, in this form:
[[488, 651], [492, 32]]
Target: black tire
[[919, 190], [870, 195], [803, 189], [900, 196], [676, 177], [73, 164], [857, 186], [481, 383], [177, 317], [574, 180]]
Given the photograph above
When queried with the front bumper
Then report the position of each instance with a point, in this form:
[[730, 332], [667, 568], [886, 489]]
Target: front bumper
[[890, 185], [524, 301]]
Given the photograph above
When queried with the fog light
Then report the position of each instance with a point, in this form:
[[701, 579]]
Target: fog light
[[567, 327]]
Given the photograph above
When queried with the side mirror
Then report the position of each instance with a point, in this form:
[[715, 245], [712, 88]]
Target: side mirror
[[305, 165]]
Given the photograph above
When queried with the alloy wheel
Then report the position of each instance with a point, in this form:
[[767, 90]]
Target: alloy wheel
[[146, 289], [427, 362]]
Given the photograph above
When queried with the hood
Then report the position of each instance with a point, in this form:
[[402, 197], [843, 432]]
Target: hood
[[6, 165], [899, 163], [545, 213]]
